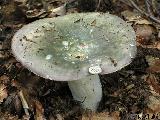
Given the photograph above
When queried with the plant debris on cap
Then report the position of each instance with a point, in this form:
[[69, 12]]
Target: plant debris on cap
[[70, 47]]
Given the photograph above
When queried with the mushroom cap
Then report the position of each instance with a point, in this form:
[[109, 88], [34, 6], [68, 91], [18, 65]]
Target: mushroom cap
[[74, 46]]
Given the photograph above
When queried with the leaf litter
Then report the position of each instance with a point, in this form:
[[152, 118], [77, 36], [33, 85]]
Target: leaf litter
[[134, 89]]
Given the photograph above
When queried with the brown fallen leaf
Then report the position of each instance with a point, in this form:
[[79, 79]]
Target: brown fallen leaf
[[155, 45], [8, 11], [142, 22], [25, 117], [134, 17], [153, 105], [154, 99], [36, 13], [7, 116], [59, 117], [154, 64], [4, 79], [153, 84], [3, 92], [101, 116], [130, 16], [2, 54], [39, 111], [144, 33]]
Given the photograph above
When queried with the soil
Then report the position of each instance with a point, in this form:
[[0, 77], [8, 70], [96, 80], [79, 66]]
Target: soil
[[126, 92]]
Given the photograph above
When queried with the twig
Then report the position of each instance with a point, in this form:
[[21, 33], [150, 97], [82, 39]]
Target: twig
[[126, 2], [144, 13], [24, 103], [148, 6], [99, 3], [110, 2]]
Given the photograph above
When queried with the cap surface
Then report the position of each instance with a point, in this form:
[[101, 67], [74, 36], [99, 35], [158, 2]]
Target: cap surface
[[74, 46]]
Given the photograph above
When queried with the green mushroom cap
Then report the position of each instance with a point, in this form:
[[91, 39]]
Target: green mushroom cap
[[74, 46]]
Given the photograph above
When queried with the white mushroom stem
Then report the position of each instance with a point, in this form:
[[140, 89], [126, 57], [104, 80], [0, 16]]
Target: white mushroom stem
[[88, 91]]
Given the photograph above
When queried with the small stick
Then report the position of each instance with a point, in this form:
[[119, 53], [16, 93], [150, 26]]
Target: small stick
[[126, 2], [148, 6], [24, 103], [99, 3], [144, 13]]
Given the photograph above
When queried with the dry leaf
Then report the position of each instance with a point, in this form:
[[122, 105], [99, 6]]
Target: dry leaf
[[7, 116], [36, 13], [154, 64], [39, 111], [60, 11], [153, 105], [153, 84], [134, 17], [143, 21], [59, 117], [154, 99], [26, 117], [101, 116], [144, 33], [4, 79], [130, 16], [155, 45], [3, 92]]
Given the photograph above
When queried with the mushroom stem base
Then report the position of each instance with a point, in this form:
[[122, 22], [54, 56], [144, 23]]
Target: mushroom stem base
[[88, 91]]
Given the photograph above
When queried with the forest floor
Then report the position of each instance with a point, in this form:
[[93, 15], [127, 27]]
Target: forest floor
[[132, 93]]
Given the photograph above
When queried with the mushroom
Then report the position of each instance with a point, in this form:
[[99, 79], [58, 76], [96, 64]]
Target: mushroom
[[76, 48]]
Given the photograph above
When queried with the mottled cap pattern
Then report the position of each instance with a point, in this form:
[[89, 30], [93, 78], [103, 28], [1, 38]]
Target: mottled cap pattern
[[74, 46]]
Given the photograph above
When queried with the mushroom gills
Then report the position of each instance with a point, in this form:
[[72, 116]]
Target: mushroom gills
[[88, 91]]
